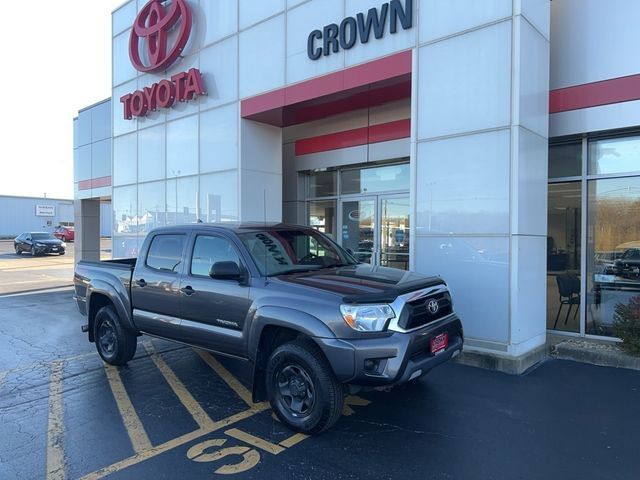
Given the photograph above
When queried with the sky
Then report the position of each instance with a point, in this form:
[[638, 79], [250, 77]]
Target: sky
[[56, 60]]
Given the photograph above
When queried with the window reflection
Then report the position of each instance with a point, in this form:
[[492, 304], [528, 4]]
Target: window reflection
[[322, 217], [182, 200], [323, 184], [125, 222], [563, 256], [377, 179], [565, 160], [613, 249], [614, 155]]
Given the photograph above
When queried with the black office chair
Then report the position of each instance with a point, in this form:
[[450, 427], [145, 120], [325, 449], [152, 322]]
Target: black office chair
[[569, 291]]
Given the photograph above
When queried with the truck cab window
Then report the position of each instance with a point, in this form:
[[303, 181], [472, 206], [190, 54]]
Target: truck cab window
[[209, 250], [165, 252]]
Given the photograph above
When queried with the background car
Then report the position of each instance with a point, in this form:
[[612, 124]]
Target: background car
[[66, 234], [38, 243]]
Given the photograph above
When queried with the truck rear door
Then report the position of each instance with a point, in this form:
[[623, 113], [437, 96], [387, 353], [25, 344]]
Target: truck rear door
[[213, 311], [155, 287]]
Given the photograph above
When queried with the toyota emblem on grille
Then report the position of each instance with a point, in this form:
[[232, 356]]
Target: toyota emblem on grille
[[433, 307]]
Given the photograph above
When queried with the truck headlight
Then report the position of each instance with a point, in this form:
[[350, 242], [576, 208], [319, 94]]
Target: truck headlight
[[367, 318]]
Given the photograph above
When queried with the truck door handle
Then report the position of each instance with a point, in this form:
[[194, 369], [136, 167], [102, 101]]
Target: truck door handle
[[141, 283], [188, 290]]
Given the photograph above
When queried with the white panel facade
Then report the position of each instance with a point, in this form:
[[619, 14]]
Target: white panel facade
[[440, 19], [262, 62], [463, 185], [300, 22], [465, 82], [583, 33]]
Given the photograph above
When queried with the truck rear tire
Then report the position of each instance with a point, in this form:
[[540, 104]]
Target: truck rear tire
[[115, 345], [302, 389]]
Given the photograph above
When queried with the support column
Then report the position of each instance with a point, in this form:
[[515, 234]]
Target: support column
[[87, 227], [480, 210], [260, 173]]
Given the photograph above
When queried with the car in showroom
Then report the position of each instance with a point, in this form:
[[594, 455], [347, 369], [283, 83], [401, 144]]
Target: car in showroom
[[66, 234], [38, 243]]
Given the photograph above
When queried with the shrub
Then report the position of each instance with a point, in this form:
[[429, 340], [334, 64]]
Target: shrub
[[626, 325]]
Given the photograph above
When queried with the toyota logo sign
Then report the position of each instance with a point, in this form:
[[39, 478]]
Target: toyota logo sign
[[152, 28], [433, 307]]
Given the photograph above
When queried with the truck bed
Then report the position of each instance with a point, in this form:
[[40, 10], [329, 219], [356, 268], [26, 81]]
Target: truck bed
[[117, 273]]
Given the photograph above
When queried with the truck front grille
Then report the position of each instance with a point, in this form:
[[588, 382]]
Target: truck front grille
[[417, 314]]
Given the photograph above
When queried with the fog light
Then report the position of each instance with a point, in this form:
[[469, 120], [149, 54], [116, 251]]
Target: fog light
[[371, 365]]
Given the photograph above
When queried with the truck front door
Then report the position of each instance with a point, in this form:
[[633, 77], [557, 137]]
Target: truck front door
[[213, 311]]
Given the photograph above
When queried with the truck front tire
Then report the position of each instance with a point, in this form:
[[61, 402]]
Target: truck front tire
[[115, 345], [302, 389]]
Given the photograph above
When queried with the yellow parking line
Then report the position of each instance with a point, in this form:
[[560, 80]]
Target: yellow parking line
[[55, 428], [232, 381], [190, 403], [255, 441], [293, 440], [171, 444], [135, 429]]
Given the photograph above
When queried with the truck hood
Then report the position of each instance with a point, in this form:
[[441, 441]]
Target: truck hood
[[362, 283]]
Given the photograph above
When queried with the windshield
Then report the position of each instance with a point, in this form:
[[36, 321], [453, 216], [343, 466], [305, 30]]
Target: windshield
[[288, 251], [41, 236]]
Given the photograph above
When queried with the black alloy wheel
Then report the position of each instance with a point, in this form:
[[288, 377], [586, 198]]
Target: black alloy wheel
[[302, 388], [296, 390], [18, 251], [115, 345], [64, 239], [33, 250], [107, 338]]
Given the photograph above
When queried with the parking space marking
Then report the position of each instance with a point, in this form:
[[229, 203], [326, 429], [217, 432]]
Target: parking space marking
[[255, 441], [135, 429], [193, 407], [250, 457], [55, 430], [354, 400], [230, 380], [293, 440], [3, 375], [171, 444]]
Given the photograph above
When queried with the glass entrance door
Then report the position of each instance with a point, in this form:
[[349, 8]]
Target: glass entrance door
[[394, 231], [376, 229], [359, 228]]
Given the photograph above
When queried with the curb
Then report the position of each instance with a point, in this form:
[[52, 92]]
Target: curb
[[604, 355]]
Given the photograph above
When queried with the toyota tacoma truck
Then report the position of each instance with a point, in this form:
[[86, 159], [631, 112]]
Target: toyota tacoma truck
[[309, 320]]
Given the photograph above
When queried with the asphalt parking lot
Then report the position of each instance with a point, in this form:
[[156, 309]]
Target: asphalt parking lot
[[178, 412]]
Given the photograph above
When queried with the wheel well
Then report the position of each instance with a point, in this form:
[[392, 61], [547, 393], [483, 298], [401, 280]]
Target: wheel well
[[271, 338], [98, 301]]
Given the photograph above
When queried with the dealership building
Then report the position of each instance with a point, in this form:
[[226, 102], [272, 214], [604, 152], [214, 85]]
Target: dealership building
[[495, 143]]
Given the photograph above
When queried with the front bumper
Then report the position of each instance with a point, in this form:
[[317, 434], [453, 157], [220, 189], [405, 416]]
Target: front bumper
[[396, 359], [49, 249]]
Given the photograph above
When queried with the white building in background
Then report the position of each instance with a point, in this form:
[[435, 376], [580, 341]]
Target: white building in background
[[489, 142]]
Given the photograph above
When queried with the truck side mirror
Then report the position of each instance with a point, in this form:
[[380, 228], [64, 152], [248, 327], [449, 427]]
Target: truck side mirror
[[225, 271]]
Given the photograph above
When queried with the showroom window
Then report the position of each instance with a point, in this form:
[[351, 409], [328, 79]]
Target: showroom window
[[593, 243]]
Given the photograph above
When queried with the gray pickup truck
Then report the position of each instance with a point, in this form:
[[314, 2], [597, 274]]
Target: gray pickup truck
[[310, 320]]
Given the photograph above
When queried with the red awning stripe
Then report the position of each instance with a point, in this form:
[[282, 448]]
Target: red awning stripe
[[353, 138], [358, 76], [94, 183], [605, 92]]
